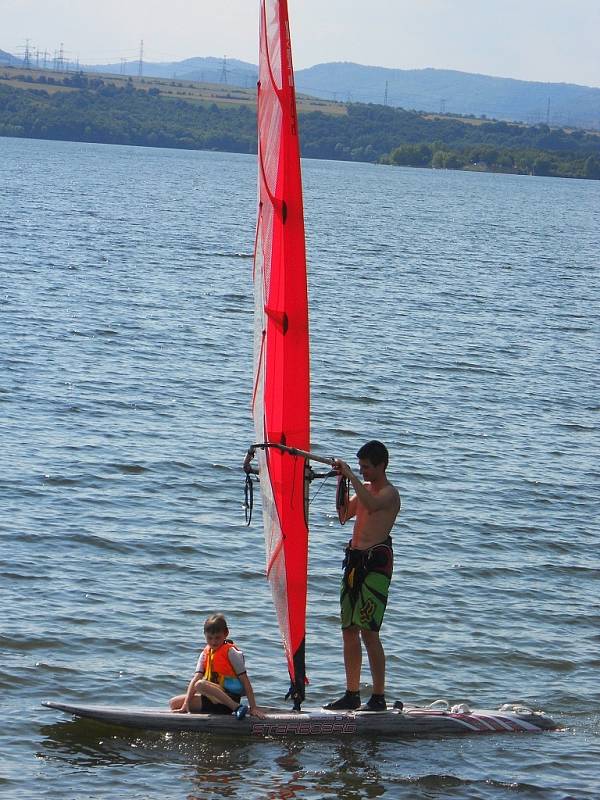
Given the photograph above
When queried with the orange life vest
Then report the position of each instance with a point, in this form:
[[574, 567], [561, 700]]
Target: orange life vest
[[218, 669]]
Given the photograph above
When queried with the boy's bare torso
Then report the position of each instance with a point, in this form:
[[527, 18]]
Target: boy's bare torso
[[373, 527]]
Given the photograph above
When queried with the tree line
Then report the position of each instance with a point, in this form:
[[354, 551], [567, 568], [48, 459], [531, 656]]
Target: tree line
[[487, 158], [108, 114], [95, 111]]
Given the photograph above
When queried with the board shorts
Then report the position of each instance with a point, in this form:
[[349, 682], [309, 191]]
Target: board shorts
[[365, 585], [208, 707]]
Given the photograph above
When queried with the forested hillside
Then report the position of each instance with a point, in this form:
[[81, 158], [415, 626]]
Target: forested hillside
[[88, 109], [425, 90]]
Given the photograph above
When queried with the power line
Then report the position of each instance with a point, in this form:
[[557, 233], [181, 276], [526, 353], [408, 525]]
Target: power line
[[59, 58], [26, 57], [223, 78]]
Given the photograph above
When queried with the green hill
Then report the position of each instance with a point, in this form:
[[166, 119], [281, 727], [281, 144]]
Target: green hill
[[162, 113], [428, 90]]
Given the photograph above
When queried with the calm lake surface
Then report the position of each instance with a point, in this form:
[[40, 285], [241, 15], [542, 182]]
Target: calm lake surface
[[454, 316]]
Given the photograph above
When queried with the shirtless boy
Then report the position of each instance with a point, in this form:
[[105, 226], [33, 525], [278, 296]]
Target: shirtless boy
[[367, 574]]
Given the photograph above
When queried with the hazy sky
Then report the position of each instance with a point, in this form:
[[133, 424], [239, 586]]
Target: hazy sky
[[543, 40]]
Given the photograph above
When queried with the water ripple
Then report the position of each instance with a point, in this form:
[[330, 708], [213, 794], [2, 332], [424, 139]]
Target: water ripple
[[452, 316]]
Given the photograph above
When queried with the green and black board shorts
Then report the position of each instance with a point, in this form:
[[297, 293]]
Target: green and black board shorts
[[365, 585]]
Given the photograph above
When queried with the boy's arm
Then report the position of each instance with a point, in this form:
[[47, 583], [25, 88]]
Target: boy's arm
[[384, 499], [350, 509], [190, 693], [249, 691]]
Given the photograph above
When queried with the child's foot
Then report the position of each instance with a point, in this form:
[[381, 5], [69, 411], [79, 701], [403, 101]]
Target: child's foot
[[375, 703], [240, 711], [349, 702]]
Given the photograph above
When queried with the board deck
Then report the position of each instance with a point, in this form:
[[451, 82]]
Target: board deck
[[411, 721]]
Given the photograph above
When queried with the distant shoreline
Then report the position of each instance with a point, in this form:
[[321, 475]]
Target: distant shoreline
[[109, 109]]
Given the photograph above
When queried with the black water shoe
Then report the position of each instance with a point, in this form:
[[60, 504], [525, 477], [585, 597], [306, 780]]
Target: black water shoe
[[375, 703], [349, 702]]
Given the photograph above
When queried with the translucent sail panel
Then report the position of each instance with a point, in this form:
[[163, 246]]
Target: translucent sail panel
[[281, 406]]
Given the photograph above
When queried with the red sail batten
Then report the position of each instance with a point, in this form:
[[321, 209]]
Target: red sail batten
[[281, 403]]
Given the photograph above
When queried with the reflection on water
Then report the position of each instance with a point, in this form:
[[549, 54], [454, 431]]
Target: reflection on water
[[216, 766], [211, 767], [87, 743]]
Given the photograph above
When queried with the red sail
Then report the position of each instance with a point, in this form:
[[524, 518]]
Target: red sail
[[281, 404]]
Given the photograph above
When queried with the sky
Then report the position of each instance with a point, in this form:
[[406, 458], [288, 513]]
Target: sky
[[539, 40]]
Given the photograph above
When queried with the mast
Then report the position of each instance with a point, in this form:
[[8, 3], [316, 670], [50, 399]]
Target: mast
[[281, 394]]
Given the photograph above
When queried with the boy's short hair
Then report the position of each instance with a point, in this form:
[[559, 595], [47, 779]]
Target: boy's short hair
[[216, 623], [375, 452]]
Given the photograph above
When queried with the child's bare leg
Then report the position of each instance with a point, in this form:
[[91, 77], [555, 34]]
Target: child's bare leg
[[195, 704], [215, 694], [175, 703]]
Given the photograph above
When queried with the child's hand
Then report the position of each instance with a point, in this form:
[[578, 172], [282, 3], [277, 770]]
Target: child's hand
[[185, 708], [255, 711]]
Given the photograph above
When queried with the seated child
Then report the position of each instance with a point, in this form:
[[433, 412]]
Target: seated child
[[220, 679]]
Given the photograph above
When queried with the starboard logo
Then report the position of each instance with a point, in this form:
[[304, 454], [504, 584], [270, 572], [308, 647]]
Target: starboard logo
[[304, 727]]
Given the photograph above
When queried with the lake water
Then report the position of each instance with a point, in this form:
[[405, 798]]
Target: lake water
[[454, 316]]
